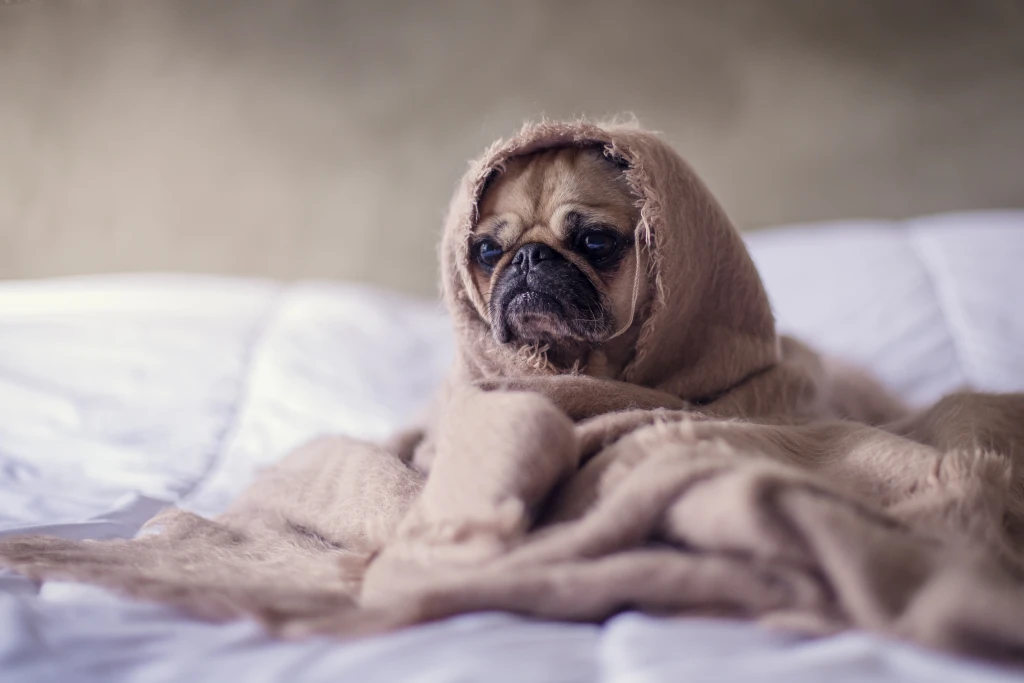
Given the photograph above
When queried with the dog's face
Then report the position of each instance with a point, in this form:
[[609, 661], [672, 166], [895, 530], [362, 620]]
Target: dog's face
[[553, 252]]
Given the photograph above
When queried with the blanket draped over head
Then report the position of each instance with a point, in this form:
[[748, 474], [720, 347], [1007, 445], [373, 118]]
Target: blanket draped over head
[[726, 471]]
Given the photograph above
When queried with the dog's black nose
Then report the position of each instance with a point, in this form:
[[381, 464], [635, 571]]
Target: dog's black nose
[[529, 255]]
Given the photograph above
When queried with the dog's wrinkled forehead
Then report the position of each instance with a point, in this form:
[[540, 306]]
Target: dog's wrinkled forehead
[[553, 188]]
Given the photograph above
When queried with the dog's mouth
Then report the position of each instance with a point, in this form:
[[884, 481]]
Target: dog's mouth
[[556, 312], [530, 302], [534, 316]]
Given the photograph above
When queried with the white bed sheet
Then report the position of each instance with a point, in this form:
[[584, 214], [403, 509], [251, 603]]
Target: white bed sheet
[[122, 394]]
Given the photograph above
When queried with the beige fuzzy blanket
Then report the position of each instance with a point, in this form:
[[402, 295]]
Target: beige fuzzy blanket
[[726, 471]]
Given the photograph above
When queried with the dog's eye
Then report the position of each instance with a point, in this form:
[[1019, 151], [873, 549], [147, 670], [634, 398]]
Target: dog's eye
[[488, 253], [598, 246]]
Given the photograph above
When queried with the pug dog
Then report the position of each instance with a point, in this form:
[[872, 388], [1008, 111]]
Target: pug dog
[[554, 255]]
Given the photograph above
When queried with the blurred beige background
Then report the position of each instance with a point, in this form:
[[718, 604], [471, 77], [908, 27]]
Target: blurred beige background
[[294, 138]]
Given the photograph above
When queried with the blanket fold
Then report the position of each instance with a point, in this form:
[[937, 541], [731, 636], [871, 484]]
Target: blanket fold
[[726, 471]]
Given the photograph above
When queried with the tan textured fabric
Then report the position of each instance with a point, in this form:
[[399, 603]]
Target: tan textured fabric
[[727, 471]]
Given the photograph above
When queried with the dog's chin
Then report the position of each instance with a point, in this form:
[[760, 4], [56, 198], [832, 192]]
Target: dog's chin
[[538, 318], [535, 317]]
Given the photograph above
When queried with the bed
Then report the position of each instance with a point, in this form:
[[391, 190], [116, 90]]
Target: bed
[[120, 395]]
